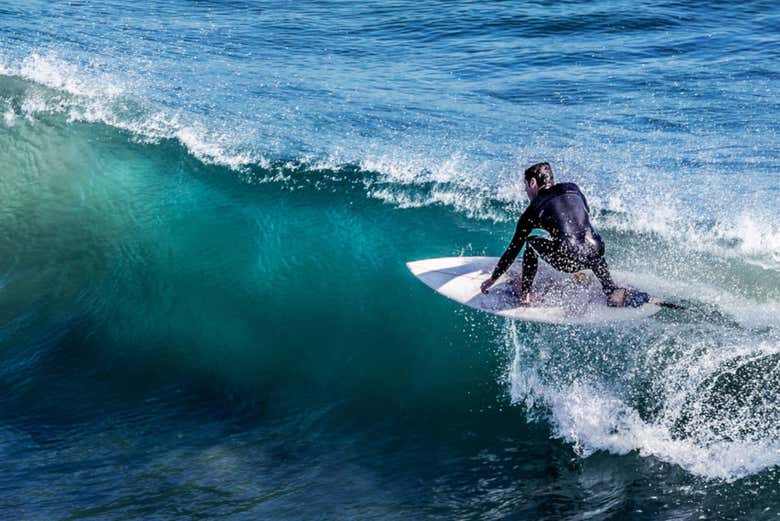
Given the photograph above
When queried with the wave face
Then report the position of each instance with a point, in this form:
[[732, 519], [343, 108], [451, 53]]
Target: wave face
[[207, 208]]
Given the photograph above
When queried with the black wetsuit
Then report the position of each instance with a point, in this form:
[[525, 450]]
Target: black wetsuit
[[573, 244]]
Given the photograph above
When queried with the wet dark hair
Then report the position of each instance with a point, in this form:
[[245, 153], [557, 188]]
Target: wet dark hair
[[542, 172]]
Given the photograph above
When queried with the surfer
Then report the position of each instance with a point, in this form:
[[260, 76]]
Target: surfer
[[562, 211]]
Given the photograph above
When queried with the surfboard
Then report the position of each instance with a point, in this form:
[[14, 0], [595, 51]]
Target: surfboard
[[558, 298]]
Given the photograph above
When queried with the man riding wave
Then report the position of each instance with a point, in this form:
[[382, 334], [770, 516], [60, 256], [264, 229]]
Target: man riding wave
[[562, 211]]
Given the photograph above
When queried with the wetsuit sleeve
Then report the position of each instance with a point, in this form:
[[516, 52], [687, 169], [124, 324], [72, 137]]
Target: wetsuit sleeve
[[524, 227]]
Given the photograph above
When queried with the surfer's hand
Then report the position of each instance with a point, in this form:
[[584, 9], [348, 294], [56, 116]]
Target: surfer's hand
[[486, 286]]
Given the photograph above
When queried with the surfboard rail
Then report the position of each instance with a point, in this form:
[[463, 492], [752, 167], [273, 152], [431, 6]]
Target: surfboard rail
[[560, 298]]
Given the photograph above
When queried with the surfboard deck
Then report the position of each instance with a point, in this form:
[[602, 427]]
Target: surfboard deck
[[558, 298]]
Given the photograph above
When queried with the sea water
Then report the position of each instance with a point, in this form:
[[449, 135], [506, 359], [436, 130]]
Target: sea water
[[205, 213]]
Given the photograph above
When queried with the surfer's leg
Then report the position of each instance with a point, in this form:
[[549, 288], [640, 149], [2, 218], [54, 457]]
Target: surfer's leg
[[616, 297], [600, 269], [551, 252], [530, 265]]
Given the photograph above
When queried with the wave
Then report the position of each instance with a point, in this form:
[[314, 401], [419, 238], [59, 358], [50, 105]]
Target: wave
[[708, 408], [721, 265], [455, 179], [718, 272]]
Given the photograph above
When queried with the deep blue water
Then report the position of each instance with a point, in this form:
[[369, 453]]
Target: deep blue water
[[206, 212]]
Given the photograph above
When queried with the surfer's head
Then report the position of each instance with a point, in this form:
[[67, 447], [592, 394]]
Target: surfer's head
[[538, 176]]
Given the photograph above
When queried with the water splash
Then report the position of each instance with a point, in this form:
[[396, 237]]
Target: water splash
[[697, 411]]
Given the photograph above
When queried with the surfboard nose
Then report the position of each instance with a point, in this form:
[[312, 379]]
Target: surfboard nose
[[417, 267]]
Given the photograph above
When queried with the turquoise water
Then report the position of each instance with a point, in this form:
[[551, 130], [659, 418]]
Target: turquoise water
[[207, 210]]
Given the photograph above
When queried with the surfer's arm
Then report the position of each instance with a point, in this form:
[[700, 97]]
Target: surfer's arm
[[523, 230]]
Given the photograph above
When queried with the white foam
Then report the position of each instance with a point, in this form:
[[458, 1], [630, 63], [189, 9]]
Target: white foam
[[459, 200], [58, 74], [4, 65], [756, 235], [9, 117], [96, 97], [592, 417], [753, 236], [407, 166], [592, 420], [212, 151], [748, 312]]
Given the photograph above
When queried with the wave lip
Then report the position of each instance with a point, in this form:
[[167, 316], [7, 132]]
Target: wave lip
[[91, 97], [470, 177]]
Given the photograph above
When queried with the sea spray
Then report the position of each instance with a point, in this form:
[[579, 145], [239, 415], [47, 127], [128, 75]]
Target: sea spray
[[694, 409]]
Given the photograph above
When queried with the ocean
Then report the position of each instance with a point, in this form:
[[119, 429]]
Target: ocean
[[206, 211]]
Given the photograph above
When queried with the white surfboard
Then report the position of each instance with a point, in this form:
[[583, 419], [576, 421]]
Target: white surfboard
[[559, 298]]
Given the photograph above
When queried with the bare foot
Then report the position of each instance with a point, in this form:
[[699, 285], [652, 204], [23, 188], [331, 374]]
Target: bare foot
[[617, 299]]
